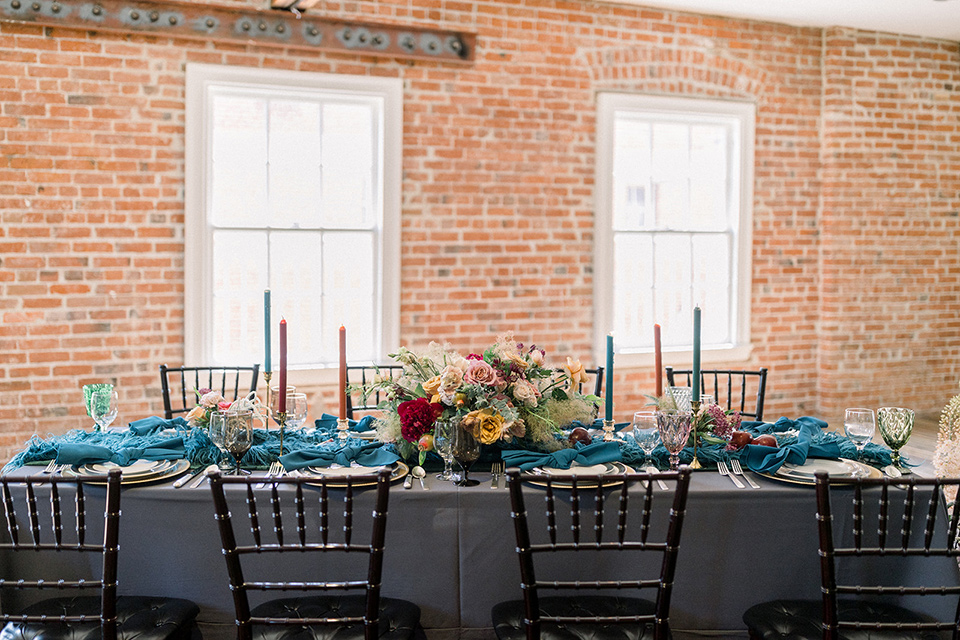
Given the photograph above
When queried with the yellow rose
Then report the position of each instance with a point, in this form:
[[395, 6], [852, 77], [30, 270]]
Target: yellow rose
[[518, 360], [576, 372], [432, 387], [485, 424]]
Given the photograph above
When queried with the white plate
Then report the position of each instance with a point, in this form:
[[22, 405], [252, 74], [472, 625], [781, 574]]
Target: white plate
[[577, 470], [135, 468], [343, 472], [338, 476], [814, 466]]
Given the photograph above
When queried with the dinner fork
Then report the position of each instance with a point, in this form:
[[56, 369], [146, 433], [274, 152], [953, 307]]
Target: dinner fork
[[495, 472], [724, 471], [738, 470], [274, 470], [51, 467]]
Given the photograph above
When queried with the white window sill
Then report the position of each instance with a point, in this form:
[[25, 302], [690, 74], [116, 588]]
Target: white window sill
[[683, 359]]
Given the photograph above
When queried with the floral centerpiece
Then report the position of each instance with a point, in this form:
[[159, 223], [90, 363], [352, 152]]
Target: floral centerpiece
[[210, 402], [507, 394], [710, 422], [946, 459]]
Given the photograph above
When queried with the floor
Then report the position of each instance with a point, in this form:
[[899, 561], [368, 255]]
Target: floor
[[923, 442]]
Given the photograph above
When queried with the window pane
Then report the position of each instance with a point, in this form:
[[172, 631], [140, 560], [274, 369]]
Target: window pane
[[238, 191], [349, 287], [633, 290], [239, 277], [671, 158], [708, 166], [294, 163], [674, 307], [712, 286], [631, 174], [295, 279], [347, 150]]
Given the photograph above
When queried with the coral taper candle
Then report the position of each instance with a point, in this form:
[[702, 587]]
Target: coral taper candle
[[608, 404], [343, 373], [658, 359], [695, 395], [267, 363], [282, 400]]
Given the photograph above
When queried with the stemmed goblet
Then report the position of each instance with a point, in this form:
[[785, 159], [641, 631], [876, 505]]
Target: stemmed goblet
[[674, 430], [296, 410], [859, 424], [466, 450], [681, 397], [443, 443], [896, 425], [238, 436], [275, 403], [645, 432], [104, 405]]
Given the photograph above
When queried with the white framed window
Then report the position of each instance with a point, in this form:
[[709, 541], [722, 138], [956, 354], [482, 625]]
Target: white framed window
[[674, 195], [293, 185]]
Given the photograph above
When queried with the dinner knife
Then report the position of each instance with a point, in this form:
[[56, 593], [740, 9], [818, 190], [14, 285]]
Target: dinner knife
[[186, 478], [203, 476], [663, 485]]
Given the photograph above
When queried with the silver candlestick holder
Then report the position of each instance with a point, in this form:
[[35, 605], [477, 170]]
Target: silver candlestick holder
[[342, 427], [608, 430]]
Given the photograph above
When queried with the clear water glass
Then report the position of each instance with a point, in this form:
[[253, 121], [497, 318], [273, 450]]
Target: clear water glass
[[674, 430], [296, 410], [896, 425], [859, 424], [443, 444], [645, 432], [104, 406]]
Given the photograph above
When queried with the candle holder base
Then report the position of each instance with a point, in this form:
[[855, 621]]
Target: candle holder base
[[608, 430], [267, 375], [695, 407], [281, 418], [342, 427]]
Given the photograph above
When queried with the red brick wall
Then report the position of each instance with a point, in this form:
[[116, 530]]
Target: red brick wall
[[498, 196]]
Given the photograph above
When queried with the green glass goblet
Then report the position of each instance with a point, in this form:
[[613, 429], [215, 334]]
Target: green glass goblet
[[896, 425]]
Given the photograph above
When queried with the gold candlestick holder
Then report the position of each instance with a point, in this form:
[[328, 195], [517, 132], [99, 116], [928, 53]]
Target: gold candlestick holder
[[607, 430], [281, 420], [267, 375], [694, 406], [342, 427]]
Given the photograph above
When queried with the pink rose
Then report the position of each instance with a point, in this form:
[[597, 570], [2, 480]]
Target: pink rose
[[479, 372]]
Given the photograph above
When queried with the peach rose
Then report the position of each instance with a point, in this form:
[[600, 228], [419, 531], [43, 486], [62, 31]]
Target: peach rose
[[432, 387], [526, 393], [479, 372], [485, 424], [576, 371]]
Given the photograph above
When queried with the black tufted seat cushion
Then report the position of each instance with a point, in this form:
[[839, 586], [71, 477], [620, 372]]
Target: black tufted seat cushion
[[138, 617], [799, 619], [508, 618], [398, 618]]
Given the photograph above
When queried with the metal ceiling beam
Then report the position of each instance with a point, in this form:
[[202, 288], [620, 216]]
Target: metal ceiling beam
[[266, 28]]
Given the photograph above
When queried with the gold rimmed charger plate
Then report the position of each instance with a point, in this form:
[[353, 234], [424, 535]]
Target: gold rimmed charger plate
[[839, 471], [337, 477], [559, 475], [168, 469]]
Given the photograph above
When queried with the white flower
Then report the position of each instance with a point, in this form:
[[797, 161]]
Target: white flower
[[526, 393]]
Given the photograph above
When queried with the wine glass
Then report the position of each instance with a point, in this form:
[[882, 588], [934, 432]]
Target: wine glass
[[896, 425], [104, 405], [218, 425], [859, 424], [296, 409], [674, 430], [443, 443], [645, 432], [238, 436], [275, 402], [466, 450]]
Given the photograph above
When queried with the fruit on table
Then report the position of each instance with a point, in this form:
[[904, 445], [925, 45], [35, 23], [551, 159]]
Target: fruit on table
[[740, 438], [766, 440], [579, 434], [426, 443]]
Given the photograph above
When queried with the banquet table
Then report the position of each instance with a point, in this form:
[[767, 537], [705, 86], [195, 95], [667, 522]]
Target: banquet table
[[451, 551]]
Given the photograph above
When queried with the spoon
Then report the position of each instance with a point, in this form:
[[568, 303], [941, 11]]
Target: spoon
[[892, 471], [419, 474]]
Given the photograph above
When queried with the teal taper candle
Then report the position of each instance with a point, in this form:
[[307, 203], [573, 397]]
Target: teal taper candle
[[696, 354], [608, 404], [267, 364]]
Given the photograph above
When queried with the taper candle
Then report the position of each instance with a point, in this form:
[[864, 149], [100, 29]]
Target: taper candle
[[343, 373], [658, 359], [282, 400], [696, 353], [608, 404], [267, 363]]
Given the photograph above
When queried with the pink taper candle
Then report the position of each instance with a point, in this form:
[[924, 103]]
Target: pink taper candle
[[343, 373], [282, 400]]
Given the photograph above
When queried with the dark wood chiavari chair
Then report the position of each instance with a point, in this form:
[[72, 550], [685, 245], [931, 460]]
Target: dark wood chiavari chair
[[78, 617], [364, 374], [881, 528], [652, 529], [269, 531], [179, 385], [734, 390]]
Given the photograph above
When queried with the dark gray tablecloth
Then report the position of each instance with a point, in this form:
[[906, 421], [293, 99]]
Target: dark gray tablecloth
[[451, 551]]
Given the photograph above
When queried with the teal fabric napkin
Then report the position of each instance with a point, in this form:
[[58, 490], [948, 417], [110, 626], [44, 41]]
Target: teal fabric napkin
[[372, 454], [586, 455], [768, 459], [78, 454], [149, 426], [327, 421]]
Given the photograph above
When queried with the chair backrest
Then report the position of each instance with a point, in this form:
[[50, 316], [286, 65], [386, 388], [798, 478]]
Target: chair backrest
[[34, 529], [597, 386], [890, 518], [734, 390], [364, 374], [592, 518], [179, 385], [328, 531]]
